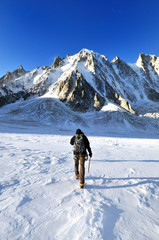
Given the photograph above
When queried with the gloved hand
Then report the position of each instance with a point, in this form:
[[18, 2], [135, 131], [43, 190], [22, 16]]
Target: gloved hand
[[90, 154]]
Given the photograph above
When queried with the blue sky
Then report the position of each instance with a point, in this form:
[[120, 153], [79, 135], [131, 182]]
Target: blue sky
[[34, 32]]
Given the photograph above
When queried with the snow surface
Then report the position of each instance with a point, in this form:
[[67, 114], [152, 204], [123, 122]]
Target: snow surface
[[111, 107], [40, 198]]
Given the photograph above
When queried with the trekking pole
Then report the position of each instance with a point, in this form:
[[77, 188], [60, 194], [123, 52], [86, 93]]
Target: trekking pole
[[89, 164]]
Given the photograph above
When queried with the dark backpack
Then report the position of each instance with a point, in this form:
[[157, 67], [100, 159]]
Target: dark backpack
[[79, 145]]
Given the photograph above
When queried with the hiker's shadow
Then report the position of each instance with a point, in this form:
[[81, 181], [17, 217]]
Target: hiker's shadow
[[107, 183]]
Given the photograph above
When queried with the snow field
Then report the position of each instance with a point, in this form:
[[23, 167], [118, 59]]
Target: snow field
[[41, 199]]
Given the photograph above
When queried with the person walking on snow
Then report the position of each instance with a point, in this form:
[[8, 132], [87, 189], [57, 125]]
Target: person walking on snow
[[80, 145]]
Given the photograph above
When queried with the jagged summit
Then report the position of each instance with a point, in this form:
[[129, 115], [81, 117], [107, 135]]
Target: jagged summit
[[11, 76], [116, 59], [86, 51], [57, 62], [143, 59], [148, 62], [86, 82], [20, 67]]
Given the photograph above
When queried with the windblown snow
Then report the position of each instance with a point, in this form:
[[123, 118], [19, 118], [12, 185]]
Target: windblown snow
[[41, 199]]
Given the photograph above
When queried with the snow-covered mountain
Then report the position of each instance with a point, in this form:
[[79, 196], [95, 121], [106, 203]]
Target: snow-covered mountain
[[86, 83]]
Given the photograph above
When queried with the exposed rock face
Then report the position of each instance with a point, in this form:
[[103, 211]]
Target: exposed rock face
[[11, 98], [150, 71], [66, 86], [11, 76], [98, 102], [87, 81], [6, 95], [79, 94], [153, 95], [57, 62], [124, 104]]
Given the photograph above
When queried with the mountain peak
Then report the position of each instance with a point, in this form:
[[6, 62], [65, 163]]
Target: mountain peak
[[116, 59], [85, 50], [20, 67], [57, 62], [143, 59]]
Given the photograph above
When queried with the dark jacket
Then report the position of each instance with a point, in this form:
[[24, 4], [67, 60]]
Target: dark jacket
[[87, 145]]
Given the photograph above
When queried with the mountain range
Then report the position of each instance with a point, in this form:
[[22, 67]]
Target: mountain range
[[85, 84]]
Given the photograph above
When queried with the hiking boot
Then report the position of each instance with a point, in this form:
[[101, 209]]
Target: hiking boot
[[81, 185], [77, 176]]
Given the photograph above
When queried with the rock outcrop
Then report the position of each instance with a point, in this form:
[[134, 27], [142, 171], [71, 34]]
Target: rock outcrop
[[57, 62]]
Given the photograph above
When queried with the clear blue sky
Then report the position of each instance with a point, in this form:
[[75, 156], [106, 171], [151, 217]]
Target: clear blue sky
[[33, 32]]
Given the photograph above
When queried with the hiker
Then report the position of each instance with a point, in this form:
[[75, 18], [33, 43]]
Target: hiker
[[80, 144]]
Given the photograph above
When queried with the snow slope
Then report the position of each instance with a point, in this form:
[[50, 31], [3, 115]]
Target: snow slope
[[40, 198]]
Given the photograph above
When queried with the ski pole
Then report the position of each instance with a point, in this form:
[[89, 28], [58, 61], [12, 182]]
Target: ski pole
[[89, 164]]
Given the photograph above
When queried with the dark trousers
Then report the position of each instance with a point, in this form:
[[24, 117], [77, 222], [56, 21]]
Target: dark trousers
[[80, 158]]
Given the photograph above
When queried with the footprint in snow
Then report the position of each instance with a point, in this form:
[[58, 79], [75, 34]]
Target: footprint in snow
[[24, 201], [47, 162]]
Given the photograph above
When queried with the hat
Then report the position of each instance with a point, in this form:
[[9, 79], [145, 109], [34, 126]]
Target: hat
[[78, 131]]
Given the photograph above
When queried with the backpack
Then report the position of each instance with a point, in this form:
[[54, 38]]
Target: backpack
[[79, 145]]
